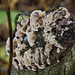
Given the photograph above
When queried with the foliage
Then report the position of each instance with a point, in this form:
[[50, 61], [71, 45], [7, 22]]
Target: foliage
[[3, 17]]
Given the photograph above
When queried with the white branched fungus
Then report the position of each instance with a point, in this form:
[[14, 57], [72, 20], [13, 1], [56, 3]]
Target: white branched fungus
[[35, 40]]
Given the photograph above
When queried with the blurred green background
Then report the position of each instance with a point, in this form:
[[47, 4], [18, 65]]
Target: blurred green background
[[4, 30]]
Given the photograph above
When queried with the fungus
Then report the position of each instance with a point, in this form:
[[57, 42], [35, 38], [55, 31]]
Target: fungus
[[41, 39]]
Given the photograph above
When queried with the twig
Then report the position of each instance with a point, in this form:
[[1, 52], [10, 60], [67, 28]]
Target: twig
[[11, 40]]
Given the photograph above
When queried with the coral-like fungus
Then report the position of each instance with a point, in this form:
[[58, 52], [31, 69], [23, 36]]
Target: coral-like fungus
[[42, 40]]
